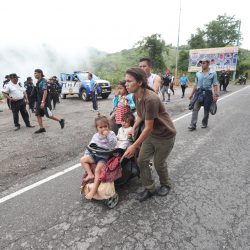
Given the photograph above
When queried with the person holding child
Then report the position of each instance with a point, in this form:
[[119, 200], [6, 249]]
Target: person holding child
[[156, 139], [122, 103], [104, 138]]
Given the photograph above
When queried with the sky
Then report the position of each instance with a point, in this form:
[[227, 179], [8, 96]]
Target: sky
[[30, 29]]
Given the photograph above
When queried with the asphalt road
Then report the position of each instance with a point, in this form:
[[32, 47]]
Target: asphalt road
[[208, 207]]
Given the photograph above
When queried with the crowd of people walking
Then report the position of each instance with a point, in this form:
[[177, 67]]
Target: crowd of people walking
[[39, 97], [139, 102]]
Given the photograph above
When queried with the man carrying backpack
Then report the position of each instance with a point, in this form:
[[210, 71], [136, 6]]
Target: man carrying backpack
[[166, 80]]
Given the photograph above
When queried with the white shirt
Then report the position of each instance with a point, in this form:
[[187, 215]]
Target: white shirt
[[122, 137], [151, 79], [14, 90], [212, 67]]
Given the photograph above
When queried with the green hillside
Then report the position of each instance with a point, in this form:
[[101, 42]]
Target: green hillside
[[113, 66]]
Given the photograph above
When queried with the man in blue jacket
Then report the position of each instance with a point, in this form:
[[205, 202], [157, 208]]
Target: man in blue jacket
[[204, 92]]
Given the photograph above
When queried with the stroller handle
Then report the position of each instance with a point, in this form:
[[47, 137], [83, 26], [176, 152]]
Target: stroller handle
[[93, 148]]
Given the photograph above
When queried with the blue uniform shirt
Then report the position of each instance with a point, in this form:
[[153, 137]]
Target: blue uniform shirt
[[206, 81], [92, 85]]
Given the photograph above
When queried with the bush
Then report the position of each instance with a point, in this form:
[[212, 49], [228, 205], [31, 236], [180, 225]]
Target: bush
[[1, 96]]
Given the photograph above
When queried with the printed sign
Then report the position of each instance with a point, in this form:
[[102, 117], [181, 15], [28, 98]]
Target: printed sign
[[70, 87], [220, 58]]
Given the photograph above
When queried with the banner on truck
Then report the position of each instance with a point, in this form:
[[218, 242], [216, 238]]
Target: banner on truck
[[220, 58]]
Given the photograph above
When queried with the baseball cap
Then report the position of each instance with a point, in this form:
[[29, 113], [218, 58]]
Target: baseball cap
[[205, 59], [13, 75]]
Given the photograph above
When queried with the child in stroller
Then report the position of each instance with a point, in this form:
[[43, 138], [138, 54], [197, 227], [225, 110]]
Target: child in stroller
[[116, 169], [103, 138]]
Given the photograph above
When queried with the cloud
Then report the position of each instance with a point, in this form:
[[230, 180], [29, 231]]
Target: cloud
[[24, 60]]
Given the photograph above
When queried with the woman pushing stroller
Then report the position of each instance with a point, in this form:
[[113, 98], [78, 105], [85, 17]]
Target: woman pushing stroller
[[156, 139]]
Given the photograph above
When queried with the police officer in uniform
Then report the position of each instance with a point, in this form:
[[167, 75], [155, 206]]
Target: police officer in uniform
[[5, 82], [53, 91], [30, 90], [17, 96]]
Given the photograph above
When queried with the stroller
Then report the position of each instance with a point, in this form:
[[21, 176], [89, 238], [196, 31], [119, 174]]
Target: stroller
[[127, 169]]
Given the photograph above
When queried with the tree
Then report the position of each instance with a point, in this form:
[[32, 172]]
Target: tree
[[222, 32], [197, 41], [243, 62], [154, 47], [183, 60]]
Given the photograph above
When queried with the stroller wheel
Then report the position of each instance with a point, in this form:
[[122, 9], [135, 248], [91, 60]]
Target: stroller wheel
[[112, 202]]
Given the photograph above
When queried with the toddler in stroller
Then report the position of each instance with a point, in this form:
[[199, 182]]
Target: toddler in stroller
[[100, 174], [105, 139]]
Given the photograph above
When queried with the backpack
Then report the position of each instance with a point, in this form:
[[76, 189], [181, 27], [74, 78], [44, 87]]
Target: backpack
[[166, 80]]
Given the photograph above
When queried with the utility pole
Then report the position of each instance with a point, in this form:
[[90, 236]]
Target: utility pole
[[177, 47], [237, 44]]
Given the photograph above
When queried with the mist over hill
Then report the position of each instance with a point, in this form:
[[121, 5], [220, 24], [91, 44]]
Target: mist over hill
[[23, 60]]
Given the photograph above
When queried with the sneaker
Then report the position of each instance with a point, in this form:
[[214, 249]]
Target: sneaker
[[163, 190], [191, 128], [40, 130], [62, 121], [30, 126], [146, 194], [203, 126], [17, 128]]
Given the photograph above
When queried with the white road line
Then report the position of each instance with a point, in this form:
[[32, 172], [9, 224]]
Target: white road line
[[36, 184]]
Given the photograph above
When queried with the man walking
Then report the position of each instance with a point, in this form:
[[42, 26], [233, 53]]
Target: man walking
[[17, 97], [184, 82], [93, 86], [167, 79], [222, 79], [204, 92], [154, 81], [43, 103]]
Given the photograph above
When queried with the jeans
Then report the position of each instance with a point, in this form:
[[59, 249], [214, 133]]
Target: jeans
[[159, 149], [183, 88], [194, 119], [94, 100]]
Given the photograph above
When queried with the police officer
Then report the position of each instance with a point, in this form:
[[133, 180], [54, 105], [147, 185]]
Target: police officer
[[30, 90], [17, 96], [5, 82], [59, 88], [222, 79], [53, 91]]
